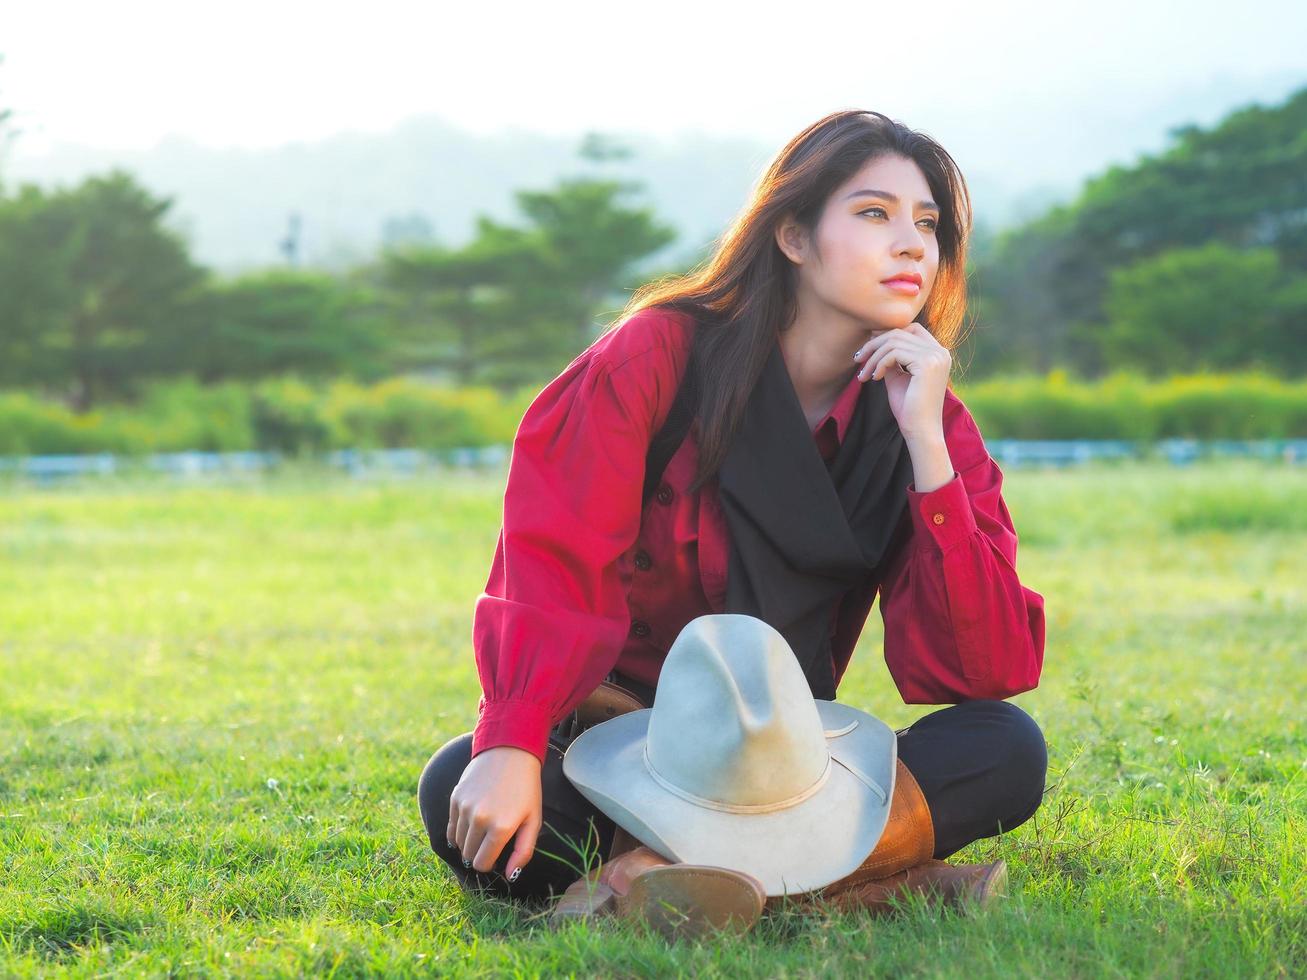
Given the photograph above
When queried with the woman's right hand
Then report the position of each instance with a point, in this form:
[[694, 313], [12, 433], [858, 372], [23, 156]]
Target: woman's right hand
[[498, 796]]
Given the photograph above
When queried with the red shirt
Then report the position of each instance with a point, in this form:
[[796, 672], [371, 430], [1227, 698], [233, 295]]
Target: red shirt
[[584, 580]]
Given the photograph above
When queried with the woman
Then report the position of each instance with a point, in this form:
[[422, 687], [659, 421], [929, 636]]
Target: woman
[[834, 299]]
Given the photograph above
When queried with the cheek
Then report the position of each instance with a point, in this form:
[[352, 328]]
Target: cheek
[[856, 260]]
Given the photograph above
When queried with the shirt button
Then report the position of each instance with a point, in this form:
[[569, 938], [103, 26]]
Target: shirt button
[[664, 494], [938, 518], [643, 561], [640, 628]]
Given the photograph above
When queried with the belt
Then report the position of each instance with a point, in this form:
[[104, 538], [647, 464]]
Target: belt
[[616, 694], [642, 691]]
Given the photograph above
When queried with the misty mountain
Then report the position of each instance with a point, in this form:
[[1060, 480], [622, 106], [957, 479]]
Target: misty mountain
[[425, 178]]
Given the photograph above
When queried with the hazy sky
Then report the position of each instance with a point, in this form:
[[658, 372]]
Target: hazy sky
[[237, 73]]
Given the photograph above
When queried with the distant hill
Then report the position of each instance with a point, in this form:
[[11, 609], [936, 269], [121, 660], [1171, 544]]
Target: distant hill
[[427, 177]]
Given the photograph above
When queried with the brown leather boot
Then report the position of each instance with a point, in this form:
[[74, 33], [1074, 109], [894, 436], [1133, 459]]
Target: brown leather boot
[[676, 900], [903, 862], [966, 886], [907, 840]]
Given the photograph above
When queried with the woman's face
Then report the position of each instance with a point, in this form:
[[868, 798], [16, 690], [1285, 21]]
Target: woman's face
[[865, 238]]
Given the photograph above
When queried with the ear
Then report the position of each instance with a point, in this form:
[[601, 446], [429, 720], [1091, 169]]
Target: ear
[[791, 239]]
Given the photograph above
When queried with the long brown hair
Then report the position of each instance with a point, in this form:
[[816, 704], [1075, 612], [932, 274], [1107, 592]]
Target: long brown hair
[[745, 292]]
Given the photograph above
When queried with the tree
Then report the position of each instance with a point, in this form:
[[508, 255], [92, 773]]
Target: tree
[[1238, 183], [91, 284], [453, 308], [1213, 307], [586, 241], [518, 302], [278, 321], [1022, 323]]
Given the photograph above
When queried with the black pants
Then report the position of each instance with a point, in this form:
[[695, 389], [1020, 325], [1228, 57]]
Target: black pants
[[981, 766]]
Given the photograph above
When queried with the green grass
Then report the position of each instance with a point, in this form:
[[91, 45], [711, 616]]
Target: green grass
[[216, 702]]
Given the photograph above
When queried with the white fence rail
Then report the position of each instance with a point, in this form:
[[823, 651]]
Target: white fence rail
[[361, 462]]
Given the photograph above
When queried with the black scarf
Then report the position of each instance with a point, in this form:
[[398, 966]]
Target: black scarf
[[803, 535]]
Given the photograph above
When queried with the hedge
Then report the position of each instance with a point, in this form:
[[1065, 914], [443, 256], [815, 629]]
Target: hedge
[[294, 416]]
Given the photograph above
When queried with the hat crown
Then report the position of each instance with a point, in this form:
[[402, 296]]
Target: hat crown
[[734, 723]]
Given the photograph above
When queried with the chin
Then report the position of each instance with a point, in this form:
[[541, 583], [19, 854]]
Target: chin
[[892, 320]]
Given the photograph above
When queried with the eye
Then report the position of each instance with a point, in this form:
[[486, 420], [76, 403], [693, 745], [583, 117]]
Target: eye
[[933, 224]]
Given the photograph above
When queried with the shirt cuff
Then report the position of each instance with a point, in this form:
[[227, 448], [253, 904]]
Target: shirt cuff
[[522, 724], [942, 516]]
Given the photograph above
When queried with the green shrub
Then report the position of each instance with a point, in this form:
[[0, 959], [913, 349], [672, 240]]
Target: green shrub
[[30, 426], [1056, 407], [289, 416], [186, 415], [1206, 406], [1247, 405], [292, 416], [402, 413]]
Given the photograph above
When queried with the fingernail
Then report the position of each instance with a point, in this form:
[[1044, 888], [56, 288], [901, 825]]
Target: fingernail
[[449, 843], [513, 876], [467, 864]]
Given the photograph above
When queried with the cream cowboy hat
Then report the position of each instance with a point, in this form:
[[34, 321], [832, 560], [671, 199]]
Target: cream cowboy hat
[[736, 765]]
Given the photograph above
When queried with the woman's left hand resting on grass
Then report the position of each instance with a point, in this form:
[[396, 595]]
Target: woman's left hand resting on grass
[[917, 397], [499, 796]]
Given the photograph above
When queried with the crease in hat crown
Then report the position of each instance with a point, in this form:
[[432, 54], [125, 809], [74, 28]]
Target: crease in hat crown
[[735, 726]]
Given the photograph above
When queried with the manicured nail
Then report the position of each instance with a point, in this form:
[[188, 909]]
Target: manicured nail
[[466, 863], [449, 843], [513, 876]]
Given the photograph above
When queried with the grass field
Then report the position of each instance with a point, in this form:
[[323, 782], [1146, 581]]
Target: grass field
[[216, 702]]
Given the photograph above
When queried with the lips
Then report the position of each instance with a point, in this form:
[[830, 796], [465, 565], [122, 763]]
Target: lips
[[904, 277], [905, 287]]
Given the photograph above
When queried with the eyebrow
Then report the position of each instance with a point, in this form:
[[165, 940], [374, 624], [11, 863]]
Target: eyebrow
[[892, 198]]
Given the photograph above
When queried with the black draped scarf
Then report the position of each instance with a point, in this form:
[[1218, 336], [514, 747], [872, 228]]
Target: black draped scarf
[[802, 534]]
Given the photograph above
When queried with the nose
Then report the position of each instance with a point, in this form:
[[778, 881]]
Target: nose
[[911, 241]]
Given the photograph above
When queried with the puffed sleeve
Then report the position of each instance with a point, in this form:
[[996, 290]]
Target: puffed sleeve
[[959, 625], [553, 617]]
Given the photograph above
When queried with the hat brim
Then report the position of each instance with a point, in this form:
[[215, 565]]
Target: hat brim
[[796, 849]]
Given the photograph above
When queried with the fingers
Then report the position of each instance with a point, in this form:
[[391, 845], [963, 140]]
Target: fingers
[[493, 836], [480, 837], [883, 361], [888, 338], [451, 827], [877, 338], [471, 831], [461, 828], [467, 837], [524, 847], [900, 351], [886, 335], [912, 351]]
